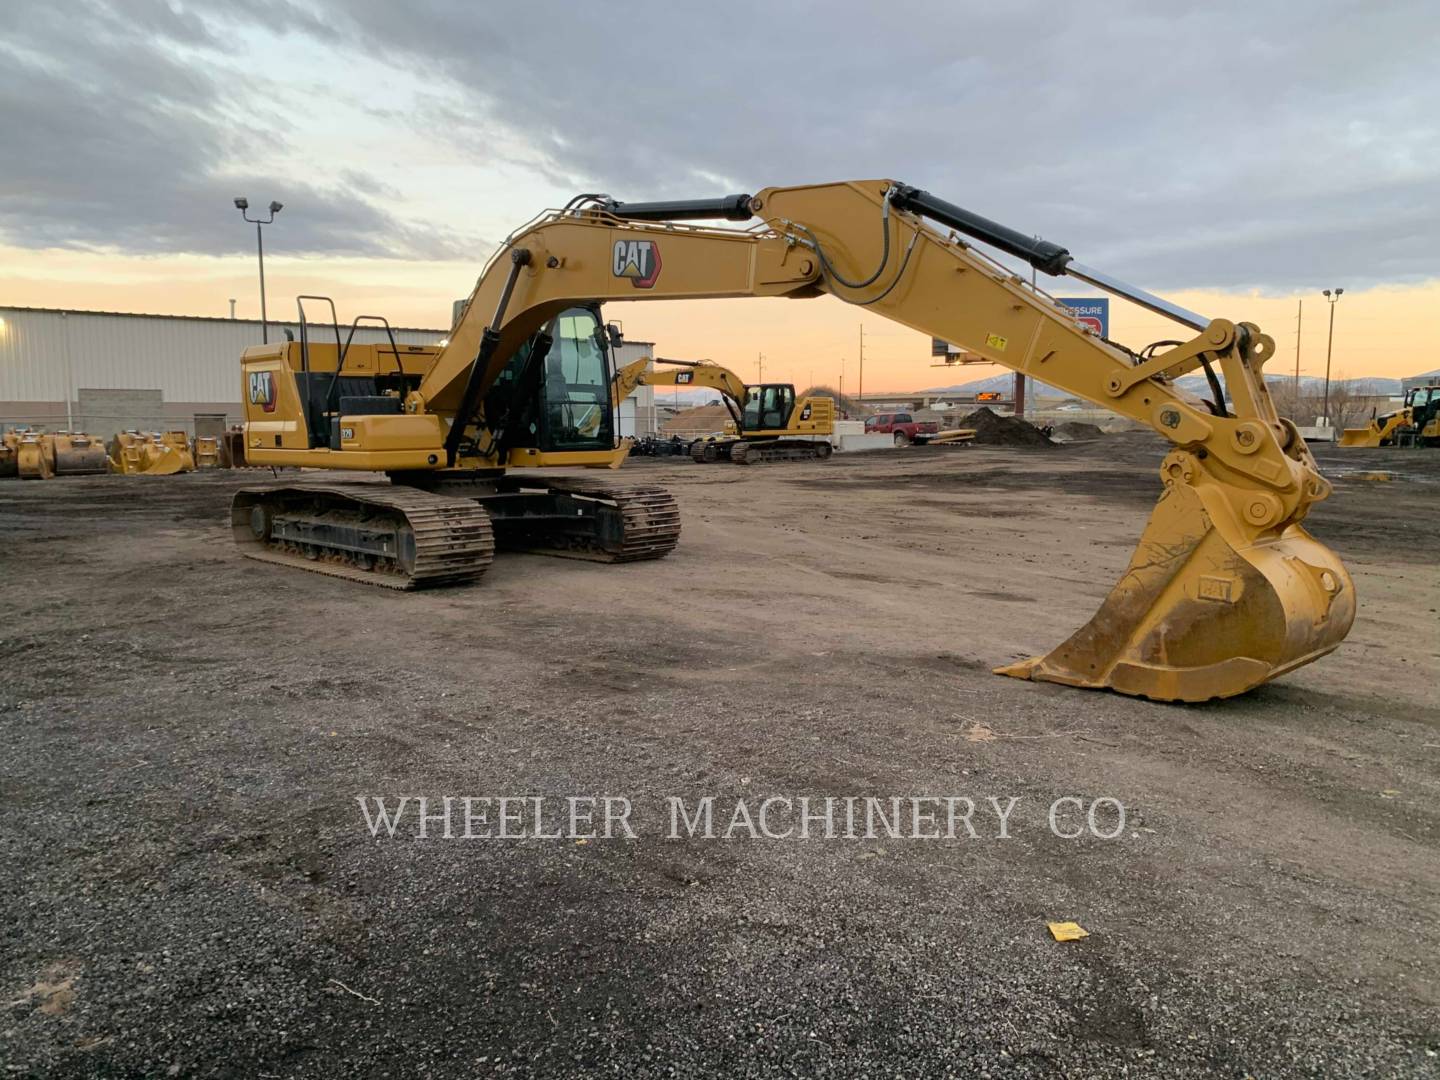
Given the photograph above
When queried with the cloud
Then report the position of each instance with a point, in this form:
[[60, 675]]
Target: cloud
[[123, 136], [1228, 144], [1220, 145]]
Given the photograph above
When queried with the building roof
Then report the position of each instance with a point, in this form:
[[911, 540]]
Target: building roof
[[189, 318]]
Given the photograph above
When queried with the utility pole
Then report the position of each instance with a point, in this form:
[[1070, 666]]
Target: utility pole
[[243, 205], [861, 394], [1299, 316], [232, 308], [1334, 299], [760, 367]]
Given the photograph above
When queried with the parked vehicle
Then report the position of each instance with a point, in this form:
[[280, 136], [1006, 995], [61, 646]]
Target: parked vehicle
[[904, 427]]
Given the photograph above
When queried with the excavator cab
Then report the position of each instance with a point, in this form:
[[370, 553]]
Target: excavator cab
[[768, 407], [553, 395]]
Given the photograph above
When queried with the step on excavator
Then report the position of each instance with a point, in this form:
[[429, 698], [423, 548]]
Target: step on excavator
[[1225, 591], [766, 422], [39, 455]]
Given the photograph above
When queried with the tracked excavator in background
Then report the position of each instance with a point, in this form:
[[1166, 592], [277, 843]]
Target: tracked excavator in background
[[1225, 590], [766, 423]]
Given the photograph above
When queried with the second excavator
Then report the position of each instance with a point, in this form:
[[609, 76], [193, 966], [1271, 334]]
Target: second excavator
[[767, 422], [1225, 590]]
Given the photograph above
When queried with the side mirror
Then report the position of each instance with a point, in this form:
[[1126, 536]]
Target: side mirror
[[616, 335]]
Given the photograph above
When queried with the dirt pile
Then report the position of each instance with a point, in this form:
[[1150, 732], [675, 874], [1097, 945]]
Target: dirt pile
[[993, 430], [701, 420], [1075, 430]]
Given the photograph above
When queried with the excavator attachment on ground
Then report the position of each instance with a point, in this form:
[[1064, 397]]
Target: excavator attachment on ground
[[1225, 591], [207, 452], [36, 455], [151, 453]]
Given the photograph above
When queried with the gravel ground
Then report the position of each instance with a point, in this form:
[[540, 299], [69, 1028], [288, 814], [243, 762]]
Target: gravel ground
[[191, 888]]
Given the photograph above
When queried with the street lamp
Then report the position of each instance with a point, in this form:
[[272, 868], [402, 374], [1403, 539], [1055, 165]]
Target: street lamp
[[1334, 298], [243, 204]]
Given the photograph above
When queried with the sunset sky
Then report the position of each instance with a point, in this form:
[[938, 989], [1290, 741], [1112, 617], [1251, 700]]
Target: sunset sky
[[1228, 156]]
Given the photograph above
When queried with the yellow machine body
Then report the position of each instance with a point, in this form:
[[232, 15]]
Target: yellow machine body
[[1380, 431], [1226, 588], [1417, 421]]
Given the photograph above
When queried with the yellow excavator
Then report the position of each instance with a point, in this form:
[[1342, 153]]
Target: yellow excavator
[[1225, 590], [1419, 418], [39, 455], [766, 422]]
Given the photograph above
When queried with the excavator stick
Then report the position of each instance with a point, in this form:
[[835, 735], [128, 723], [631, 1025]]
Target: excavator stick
[[1198, 615]]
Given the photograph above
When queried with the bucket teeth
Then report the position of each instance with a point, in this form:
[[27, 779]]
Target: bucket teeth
[[1195, 618]]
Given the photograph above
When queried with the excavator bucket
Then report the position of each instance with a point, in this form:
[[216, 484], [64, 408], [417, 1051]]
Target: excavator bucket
[[77, 454], [35, 456], [1197, 617], [135, 453], [9, 454]]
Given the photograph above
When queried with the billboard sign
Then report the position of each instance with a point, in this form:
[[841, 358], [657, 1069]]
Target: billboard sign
[[1090, 312]]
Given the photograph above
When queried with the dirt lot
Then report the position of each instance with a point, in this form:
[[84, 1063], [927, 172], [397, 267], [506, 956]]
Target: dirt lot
[[190, 887]]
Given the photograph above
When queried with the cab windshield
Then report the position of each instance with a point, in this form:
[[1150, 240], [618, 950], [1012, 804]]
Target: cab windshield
[[577, 413], [768, 407]]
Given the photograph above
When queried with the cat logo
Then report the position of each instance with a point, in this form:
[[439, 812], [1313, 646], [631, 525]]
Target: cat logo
[[262, 389], [683, 377], [638, 260]]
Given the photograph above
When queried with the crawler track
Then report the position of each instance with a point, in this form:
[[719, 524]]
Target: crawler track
[[587, 519], [396, 537], [754, 453]]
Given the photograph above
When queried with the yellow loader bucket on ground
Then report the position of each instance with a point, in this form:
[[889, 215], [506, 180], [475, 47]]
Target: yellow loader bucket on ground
[[135, 453], [1209, 606], [1364, 436]]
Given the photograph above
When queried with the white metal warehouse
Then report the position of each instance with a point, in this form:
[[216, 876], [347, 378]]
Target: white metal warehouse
[[106, 371]]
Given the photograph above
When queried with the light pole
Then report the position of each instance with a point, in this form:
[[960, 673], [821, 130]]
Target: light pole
[[243, 204], [1334, 298]]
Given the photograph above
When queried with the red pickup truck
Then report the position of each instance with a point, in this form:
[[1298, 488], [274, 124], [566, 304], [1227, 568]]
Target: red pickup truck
[[903, 426]]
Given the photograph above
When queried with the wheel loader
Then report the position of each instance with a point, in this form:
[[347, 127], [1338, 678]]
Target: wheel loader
[[37, 455], [1417, 419], [766, 423], [1225, 590]]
